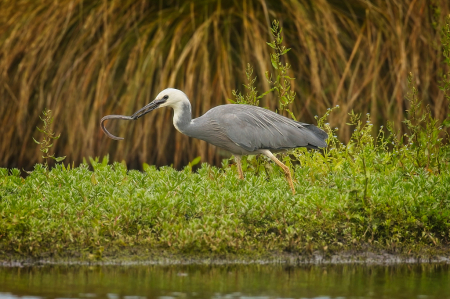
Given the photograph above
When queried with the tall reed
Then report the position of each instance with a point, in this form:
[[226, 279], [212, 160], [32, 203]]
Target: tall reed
[[86, 59]]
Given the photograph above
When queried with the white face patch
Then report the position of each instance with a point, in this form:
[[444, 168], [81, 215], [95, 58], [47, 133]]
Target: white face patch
[[173, 97], [180, 104]]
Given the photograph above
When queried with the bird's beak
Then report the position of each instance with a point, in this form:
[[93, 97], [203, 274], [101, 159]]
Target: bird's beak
[[147, 108]]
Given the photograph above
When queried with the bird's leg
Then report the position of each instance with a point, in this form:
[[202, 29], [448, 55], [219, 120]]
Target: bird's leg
[[286, 169], [239, 166]]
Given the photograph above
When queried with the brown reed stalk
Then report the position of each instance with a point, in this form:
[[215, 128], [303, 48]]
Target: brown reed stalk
[[87, 59]]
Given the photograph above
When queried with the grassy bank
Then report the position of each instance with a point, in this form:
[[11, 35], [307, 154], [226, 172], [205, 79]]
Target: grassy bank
[[83, 213]]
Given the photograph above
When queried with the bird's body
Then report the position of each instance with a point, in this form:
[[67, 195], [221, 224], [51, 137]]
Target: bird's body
[[239, 129], [244, 130]]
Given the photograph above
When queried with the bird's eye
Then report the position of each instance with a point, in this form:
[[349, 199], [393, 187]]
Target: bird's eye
[[165, 97]]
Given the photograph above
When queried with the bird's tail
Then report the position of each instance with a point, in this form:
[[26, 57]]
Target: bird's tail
[[319, 136]]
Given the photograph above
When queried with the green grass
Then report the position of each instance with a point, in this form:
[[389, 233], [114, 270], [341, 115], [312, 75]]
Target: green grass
[[79, 212]]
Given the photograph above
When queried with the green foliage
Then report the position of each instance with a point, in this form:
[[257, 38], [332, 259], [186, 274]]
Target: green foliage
[[251, 97], [445, 82], [193, 163], [48, 135], [338, 206], [281, 82], [423, 135]]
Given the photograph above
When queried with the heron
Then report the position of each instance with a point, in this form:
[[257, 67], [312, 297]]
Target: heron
[[238, 128]]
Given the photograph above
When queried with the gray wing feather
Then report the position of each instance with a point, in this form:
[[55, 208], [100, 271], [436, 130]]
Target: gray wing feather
[[254, 128]]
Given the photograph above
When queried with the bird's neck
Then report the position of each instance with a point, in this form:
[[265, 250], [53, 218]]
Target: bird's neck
[[182, 116]]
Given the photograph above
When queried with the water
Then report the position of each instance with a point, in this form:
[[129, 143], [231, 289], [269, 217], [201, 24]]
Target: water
[[231, 282]]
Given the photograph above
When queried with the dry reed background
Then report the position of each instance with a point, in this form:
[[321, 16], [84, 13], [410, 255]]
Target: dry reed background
[[87, 59]]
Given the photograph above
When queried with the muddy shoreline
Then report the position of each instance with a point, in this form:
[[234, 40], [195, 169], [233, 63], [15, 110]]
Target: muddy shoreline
[[361, 258]]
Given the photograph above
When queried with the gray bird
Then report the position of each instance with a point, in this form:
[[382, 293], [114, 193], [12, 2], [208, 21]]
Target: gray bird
[[239, 129]]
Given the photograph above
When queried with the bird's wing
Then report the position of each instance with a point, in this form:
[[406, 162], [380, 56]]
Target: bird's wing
[[254, 128]]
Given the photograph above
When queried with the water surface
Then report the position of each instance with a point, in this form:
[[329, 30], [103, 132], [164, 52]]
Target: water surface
[[235, 281]]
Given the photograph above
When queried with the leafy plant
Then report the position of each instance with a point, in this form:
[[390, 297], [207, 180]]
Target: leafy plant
[[108, 210], [193, 163], [281, 82], [423, 136], [251, 97], [48, 136], [444, 84]]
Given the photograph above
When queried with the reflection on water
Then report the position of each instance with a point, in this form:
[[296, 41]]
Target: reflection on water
[[230, 282]]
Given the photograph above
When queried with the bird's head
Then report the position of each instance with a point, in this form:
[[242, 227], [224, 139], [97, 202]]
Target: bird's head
[[169, 97]]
